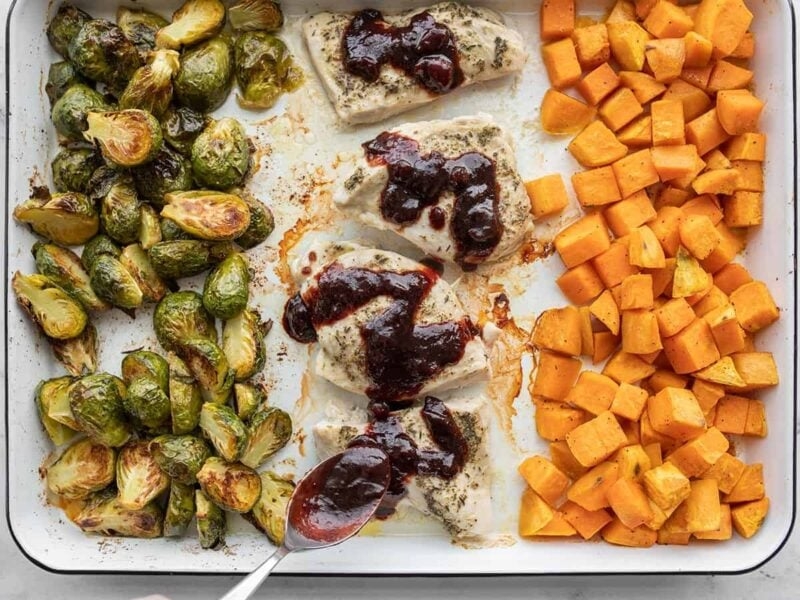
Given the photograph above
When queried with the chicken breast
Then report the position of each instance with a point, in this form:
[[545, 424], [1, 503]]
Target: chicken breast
[[463, 503], [343, 349], [360, 196], [486, 48]]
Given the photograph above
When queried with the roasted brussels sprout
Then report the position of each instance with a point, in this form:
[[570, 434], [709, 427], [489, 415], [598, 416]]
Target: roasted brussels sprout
[[63, 267], [60, 316], [137, 263], [243, 343], [224, 430], [96, 403], [205, 76], [64, 26], [103, 514], [149, 227], [181, 125], [112, 282], [221, 154], [184, 258], [78, 354], [72, 169], [208, 215], [170, 231], [210, 522], [264, 69], [146, 403], [140, 27], [194, 21], [139, 478], [209, 366], [119, 211], [70, 110], [184, 397], [167, 172], [270, 430], [180, 509], [262, 224], [180, 456], [45, 394], [180, 317], [98, 246], [255, 15], [53, 394], [269, 513], [150, 88], [100, 51], [85, 467], [246, 399], [226, 290], [127, 138], [232, 487], [69, 219], [60, 77], [143, 363]]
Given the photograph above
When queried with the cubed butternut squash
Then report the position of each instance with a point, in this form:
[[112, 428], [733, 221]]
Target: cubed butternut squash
[[618, 534], [559, 330], [731, 277], [692, 348], [749, 487], [644, 249], [698, 50], [666, 486], [596, 146], [707, 394], [717, 181], [668, 123], [676, 413], [637, 134], [614, 265], [738, 111], [694, 100], [598, 83], [556, 19], [628, 368], [628, 40], [637, 292], [673, 538], [557, 527], [643, 86], [605, 310], [563, 115], [664, 378], [596, 440], [665, 58], [698, 76], [706, 132], [698, 455], [673, 162], [633, 462], [583, 240], [746, 48], [754, 305], [756, 424], [619, 109], [544, 478], [689, 278], [724, 22], [561, 63], [640, 332], [716, 160], [714, 300], [748, 146], [731, 415], [534, 513], [555, 420], [548, 195], [555, 376], [629, 503], [586, 522], [581, 284], [635, 172], [670, 195], [751, 175], [673, 316], [722, 372], [727, 76], [748, 518], [744, 209], [699, 236], [731, 244], [726, 472], [591, 45], [703, 510], [725, 529], [629, 213], [666, 227], [605, 343], [758, 369], [562, 458], [662, 281], [668, 20], [589, 491], [622, 11], [593, 392]]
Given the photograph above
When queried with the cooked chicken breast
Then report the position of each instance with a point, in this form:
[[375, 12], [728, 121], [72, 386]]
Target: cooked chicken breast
[[360, 195], [487, 49], [463, 503]]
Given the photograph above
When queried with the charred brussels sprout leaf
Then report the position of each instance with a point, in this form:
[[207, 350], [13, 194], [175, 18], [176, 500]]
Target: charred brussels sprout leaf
[[143, 363], [270, 430], [146, 403], [72, 169], [137, 263], [83, 468], [209, 366], [184, 258], [205, 76], [232, 487], [78, 354], [194, 21], [210, 522], [180, 509], [63, 267], [119, 211], [208, 215], [127, 138], [224, 430], [60, 316], [264, 69], [46, 393], [112, 282], [226, 290], [180, 317], [103, 514], [65, 25], [70, 110], [60, 77], [102, 180], [221, 155], [167, 172], [100, 51], [149, 228], [184, 397], [69, 219], [243, 343], [256, 15], [261, 225], [181, 126], [180, 456], [98, 246], [96, 403], [53, 395], [139, 478], [247, 398], [140, 27], [269, 513], [150, 88]]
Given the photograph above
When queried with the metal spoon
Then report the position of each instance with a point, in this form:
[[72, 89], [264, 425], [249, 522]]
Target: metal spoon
[[330, 504]]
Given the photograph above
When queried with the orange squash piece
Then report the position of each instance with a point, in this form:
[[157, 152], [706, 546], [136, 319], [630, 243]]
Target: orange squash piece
[[614, 265], [555, 376], [627, 214], [668, 124], [637, 134], [586, 522], [559, 330], [591, 45], [748, 518], [629, 401], [593, 392], [668, 20], [748, 146], [627, 367], [596, 146], [724, 22], [727, 76], [598, 84], [629, 502], [596, 440], [618, 534], [563, 115], [561, 63], [581, 284], [620, 108], [672, 162], [605, 310], [665, 58], [698, 50], [692, 348], [694, 100], [706, 132], [583, 240], [534, 513], [548, 195], [754, 305], [557, 19], [555, 420], [544, 478], [750, 485], [738, 111], [673, 316], [645, 249], [698, 455], [562, 458], [628, 40], [726, 472], [589, 491]]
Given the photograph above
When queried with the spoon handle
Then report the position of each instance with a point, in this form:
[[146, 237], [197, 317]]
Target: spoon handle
[[252, 582]]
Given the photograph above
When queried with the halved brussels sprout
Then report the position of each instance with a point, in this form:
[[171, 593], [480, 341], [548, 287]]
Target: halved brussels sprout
[[207, 363], [60, 77], [180, 509], [65, 25], [170, 231], [53, 394], [60, 316], [255, 15], [210, 522], [70, 110], [127, 138], [137, 263], [119, 211], [140, 27], [112, 282], [100, 51], [103, 514], [139, 478], [227, 288], [143, 363], [208, 215], [194, 21], [232, 487], [184, 397], [72, 169], [262, 224], [97, 246], [96, 403], [69, 219], [149, 227], [181, 125], [85, 467], [150, 88], [64, 268], [270, 430], [206, 75], [243, 343], [167, 172], [146, 403], [180, 317], [247, 398], [269, 513], [45, 394], [264, 69], [180, 456], [177, 259], [78, 354], [221, 155], [224, 430]]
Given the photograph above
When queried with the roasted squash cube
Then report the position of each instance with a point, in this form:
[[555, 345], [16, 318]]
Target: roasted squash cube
[[668, 20], [555, 376], [673, 316], [589, 492], [614, 265], [534, 513], [563, 459], [724, 22], [555, 420], [692, 348], [557, 19], [635, 172], [544, 478], [595, 146], [628, 368], [698, 455], [666, 486], [738, 111], [559, 330], [583, 240], [676, 413], [645, 250], [596, 440], [726, 472], [748, 518], [668, 122], [596, 187], [706, 132], [699, 236], [758, 369], [637, 292], [694, 100], [599, 83], [627, 40], [633, 461], [754, 305], [665, 58], [629, 502], [561, 63], [593, 392], [586, 522], [618, 534], [640, 332], [592, 46], [548, 195], [750, 485], [561, 114], [631, 212]]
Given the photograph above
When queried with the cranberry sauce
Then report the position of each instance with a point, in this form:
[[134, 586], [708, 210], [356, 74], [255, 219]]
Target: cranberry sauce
[[417, 181], [424, 49], [401, 356]]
